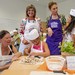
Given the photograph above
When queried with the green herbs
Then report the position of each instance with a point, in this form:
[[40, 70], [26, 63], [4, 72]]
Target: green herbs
[[68, 47]]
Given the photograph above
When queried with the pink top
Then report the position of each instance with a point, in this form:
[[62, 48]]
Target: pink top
[[37, 48]]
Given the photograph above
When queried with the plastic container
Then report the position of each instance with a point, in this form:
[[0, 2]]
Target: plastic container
[[55, 63]]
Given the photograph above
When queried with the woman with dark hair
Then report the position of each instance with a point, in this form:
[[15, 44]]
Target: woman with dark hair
[[54, 36], [29, 23], [6, 48], [70, 29]]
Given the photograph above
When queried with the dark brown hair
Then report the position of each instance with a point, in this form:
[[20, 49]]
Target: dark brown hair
[[51, 4], [3, 33], [31, 7], [71, 25]]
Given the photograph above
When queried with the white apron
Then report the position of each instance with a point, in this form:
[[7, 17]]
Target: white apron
[[28, 27], [35, 50]]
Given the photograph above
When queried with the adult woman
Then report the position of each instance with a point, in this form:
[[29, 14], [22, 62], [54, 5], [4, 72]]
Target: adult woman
[[54, 36], [70, 29], [30, 22], [7, 48]]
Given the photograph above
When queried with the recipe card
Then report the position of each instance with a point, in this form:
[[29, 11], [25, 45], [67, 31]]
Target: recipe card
[[70, 62]]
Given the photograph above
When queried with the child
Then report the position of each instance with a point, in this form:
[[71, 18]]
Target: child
[[38, 48]]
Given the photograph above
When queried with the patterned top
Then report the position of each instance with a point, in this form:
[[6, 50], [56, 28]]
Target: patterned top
[[24, 22]]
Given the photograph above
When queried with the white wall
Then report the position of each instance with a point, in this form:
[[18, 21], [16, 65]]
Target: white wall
[[12, 12], [64, 7]]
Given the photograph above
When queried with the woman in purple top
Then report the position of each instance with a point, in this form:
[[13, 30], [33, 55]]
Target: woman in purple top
[[54, 36]]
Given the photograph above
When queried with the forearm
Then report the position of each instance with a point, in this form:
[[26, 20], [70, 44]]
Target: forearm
[[74, 40], [18, 54], [74, 43], [14, 49], [73, 37], [26, 51], [44, 54], [5, 67]]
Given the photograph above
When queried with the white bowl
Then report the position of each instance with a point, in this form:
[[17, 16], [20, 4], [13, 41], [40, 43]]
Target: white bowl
[[55, 63]]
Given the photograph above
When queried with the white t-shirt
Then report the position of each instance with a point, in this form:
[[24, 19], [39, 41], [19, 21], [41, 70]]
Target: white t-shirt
[[68, 36]]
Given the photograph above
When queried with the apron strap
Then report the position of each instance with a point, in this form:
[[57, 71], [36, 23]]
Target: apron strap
[[41, 47], [10, 48]]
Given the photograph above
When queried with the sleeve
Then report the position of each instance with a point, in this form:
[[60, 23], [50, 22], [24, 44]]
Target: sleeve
[[23, 23], [63, 20], [73, 31], [38, 20], [47, 20], [48, 24]]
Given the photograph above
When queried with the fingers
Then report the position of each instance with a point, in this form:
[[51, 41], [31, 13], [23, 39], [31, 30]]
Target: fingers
[[50, 32], [15, 58]]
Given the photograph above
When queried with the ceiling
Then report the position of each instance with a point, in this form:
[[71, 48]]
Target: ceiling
[[43, 2]]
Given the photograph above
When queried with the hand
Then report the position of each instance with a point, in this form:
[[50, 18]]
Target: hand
[[50, 32], [26, 51], [33, 54], [14, 58], [25, 42]]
